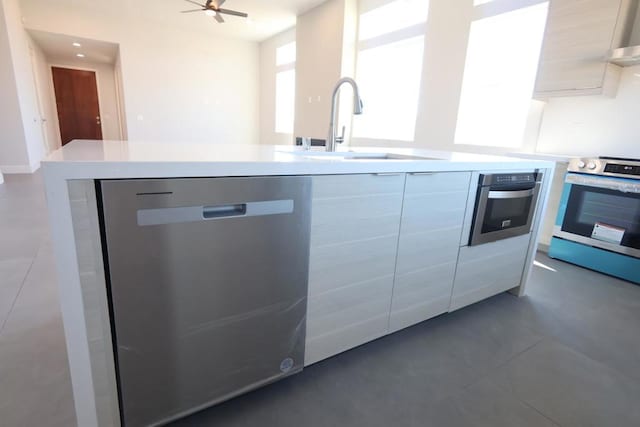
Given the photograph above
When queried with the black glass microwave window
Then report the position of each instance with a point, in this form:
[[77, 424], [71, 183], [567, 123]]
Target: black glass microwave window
[[502, 214], [588, 205]]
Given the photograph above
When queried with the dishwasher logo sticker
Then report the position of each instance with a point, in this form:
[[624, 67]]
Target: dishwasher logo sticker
[[286, 365]]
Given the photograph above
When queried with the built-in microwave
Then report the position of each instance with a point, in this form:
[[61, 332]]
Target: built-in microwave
[[505, 204]]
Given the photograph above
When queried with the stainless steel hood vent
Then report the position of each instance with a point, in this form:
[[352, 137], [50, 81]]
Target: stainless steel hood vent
[[630, 54], [625, 56]]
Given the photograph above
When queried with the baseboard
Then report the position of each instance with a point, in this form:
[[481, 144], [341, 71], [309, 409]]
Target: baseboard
[[9, 169], [543, 247]]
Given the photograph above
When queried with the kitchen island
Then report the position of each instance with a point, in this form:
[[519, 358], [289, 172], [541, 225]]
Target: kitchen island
[[389, 241]]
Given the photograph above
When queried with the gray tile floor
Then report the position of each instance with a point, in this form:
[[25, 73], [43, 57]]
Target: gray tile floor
[[566, 355]]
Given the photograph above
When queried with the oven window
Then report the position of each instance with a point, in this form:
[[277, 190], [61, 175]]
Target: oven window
[[616, 211], [502, 214]]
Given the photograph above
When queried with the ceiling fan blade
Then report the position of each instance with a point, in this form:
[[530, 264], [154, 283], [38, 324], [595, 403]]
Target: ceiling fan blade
[[232, 12], [193, 10], [218, 3], [196, 3], [218, 18]]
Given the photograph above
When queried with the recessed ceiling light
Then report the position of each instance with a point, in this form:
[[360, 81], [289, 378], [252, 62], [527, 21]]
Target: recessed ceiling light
[[210, 12], [80, 55], [76, 44]]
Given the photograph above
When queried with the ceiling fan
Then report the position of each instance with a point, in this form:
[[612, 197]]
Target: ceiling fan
[[212, 8]]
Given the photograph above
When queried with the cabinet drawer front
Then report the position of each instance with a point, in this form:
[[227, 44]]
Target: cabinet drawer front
[[341, 308], [337, 341], [339, 220], [432, 216], [344, 264], [422, 294], [433, 211], [345, 186], [418, 251], [437, 182], [354, 238], [489, 269]]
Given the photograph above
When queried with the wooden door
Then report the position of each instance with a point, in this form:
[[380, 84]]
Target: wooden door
[[77, 102]]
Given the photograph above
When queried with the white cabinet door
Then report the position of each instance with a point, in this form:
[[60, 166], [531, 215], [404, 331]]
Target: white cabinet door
[[488, 269], [432, 218], [354, 237], [577, 37]]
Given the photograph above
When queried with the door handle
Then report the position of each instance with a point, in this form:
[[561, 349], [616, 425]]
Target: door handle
[[510, 194]]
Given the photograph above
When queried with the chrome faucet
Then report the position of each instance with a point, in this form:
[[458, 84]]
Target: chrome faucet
[[333, 138]]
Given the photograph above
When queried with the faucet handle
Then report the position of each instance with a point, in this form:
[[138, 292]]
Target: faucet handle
[[340, 139]]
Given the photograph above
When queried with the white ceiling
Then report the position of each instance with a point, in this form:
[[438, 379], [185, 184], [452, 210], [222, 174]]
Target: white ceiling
[[59, 47], [266, 18]]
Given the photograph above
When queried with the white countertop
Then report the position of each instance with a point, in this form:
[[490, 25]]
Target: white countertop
[[83, 159]]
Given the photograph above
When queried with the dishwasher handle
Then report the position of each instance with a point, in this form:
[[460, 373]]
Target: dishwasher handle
[[159, 216], [209, 212]]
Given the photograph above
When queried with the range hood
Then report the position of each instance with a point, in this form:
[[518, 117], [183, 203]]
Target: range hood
[[625, 56], [630, 55]]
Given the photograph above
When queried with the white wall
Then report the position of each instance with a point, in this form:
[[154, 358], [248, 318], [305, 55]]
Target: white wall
[[46, 97], [442, 72], [268, 70], [117, 70], [177, 85], [319, 41], [13, 159], [595, 125], [13, 150], [105, 80]]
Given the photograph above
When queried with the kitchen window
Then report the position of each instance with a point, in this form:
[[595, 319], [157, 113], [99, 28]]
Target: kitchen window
[[500, 71], [285, 87], [389, 67]]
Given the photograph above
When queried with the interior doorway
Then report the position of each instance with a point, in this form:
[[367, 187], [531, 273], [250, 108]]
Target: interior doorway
[[76, 93]]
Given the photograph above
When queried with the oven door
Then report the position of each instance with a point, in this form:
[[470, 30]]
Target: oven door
[[602, 212], [502, 213]]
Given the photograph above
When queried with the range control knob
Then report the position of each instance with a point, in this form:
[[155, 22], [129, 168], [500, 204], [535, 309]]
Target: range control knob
[[591, 165], [581, 164]]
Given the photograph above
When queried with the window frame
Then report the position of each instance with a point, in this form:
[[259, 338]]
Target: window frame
[[282, 68], [398, 35], [491, 9]]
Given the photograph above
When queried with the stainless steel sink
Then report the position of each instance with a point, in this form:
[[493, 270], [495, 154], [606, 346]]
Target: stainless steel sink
[[353, 155]]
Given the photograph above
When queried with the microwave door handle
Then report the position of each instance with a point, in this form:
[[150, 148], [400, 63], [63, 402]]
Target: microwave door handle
[[510, 194]]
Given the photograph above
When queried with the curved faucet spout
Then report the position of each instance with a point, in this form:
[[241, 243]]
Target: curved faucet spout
[[333, 138]]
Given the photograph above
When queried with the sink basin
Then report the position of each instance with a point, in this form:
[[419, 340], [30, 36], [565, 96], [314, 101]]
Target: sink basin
[[353, 155]]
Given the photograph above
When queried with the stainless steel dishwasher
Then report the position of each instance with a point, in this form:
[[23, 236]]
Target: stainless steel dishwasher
[[207, 283]]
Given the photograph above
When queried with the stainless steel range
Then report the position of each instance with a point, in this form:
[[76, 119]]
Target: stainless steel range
[[598, 222]]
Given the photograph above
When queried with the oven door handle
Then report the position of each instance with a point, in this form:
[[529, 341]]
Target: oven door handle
[[510, 194]]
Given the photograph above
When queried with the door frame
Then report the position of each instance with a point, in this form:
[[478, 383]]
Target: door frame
[[73, 67], [39, 101]]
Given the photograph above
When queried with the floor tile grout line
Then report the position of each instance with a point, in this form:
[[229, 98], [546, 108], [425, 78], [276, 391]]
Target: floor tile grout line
[[502, 365], [24, 280], [496, 368], [527, 404]]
